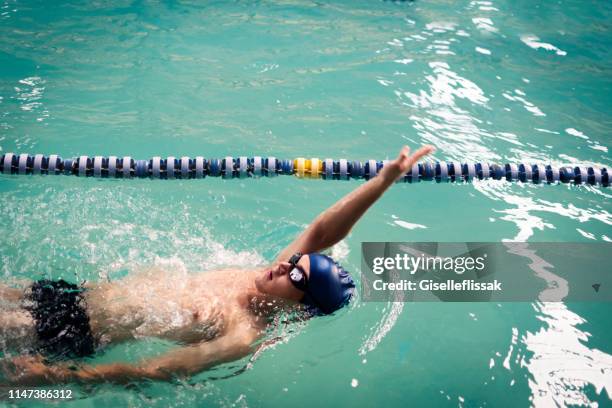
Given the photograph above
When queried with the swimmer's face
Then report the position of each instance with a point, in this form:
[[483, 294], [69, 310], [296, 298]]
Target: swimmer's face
[[275, 280]]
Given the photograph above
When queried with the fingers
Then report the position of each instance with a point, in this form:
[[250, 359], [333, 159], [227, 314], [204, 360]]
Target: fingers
[[416, 156], [422, 152]]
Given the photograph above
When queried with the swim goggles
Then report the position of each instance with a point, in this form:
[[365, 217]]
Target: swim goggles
[[297, 275]]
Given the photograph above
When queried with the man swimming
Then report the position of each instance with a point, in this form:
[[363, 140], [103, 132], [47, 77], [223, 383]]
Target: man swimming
[[216, 317]]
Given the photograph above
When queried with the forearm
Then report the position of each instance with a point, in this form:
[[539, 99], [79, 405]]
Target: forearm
[[118, 373], [115, 373], [336, 222], [182, 362]]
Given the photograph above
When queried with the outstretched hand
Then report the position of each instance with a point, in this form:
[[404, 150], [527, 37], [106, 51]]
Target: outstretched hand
[[404, 162], [23, 370], [27, 370]]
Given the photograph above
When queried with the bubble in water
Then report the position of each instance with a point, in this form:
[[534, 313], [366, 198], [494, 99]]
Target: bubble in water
[[354, 383]]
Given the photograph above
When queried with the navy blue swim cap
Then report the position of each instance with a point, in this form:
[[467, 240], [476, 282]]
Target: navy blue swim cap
[[330, 287]]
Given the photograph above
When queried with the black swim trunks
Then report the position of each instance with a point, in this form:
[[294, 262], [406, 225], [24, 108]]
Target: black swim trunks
[[62, 325]]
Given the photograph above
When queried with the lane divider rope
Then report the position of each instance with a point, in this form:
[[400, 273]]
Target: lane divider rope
[[243, 167]]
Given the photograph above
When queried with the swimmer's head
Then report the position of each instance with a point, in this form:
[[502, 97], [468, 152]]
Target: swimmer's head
[[326, 288], [329, 287]]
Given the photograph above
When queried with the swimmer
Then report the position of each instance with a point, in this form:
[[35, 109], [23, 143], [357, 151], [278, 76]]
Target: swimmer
[[214, 317]]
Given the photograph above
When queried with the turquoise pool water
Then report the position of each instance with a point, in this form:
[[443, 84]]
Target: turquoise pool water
[[480, 80]]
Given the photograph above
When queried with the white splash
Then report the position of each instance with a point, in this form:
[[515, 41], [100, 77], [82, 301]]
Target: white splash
[[534, 42], [405, 224], [562, 365], [577, 133], [404, 61], [340, 251], [483, 50], [525, 214], [519, 96], [484, 24], [506, 362], [597, 146], [441, 26], [586, 234]]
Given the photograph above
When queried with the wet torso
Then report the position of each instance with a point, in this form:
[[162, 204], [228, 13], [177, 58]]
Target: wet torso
[[182, 307]]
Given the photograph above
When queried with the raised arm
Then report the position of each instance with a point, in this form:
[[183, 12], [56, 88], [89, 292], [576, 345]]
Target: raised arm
[[181, 362], [334, 224]]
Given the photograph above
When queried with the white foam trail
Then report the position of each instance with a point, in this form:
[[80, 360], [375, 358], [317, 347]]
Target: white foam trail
[[386, 323]]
